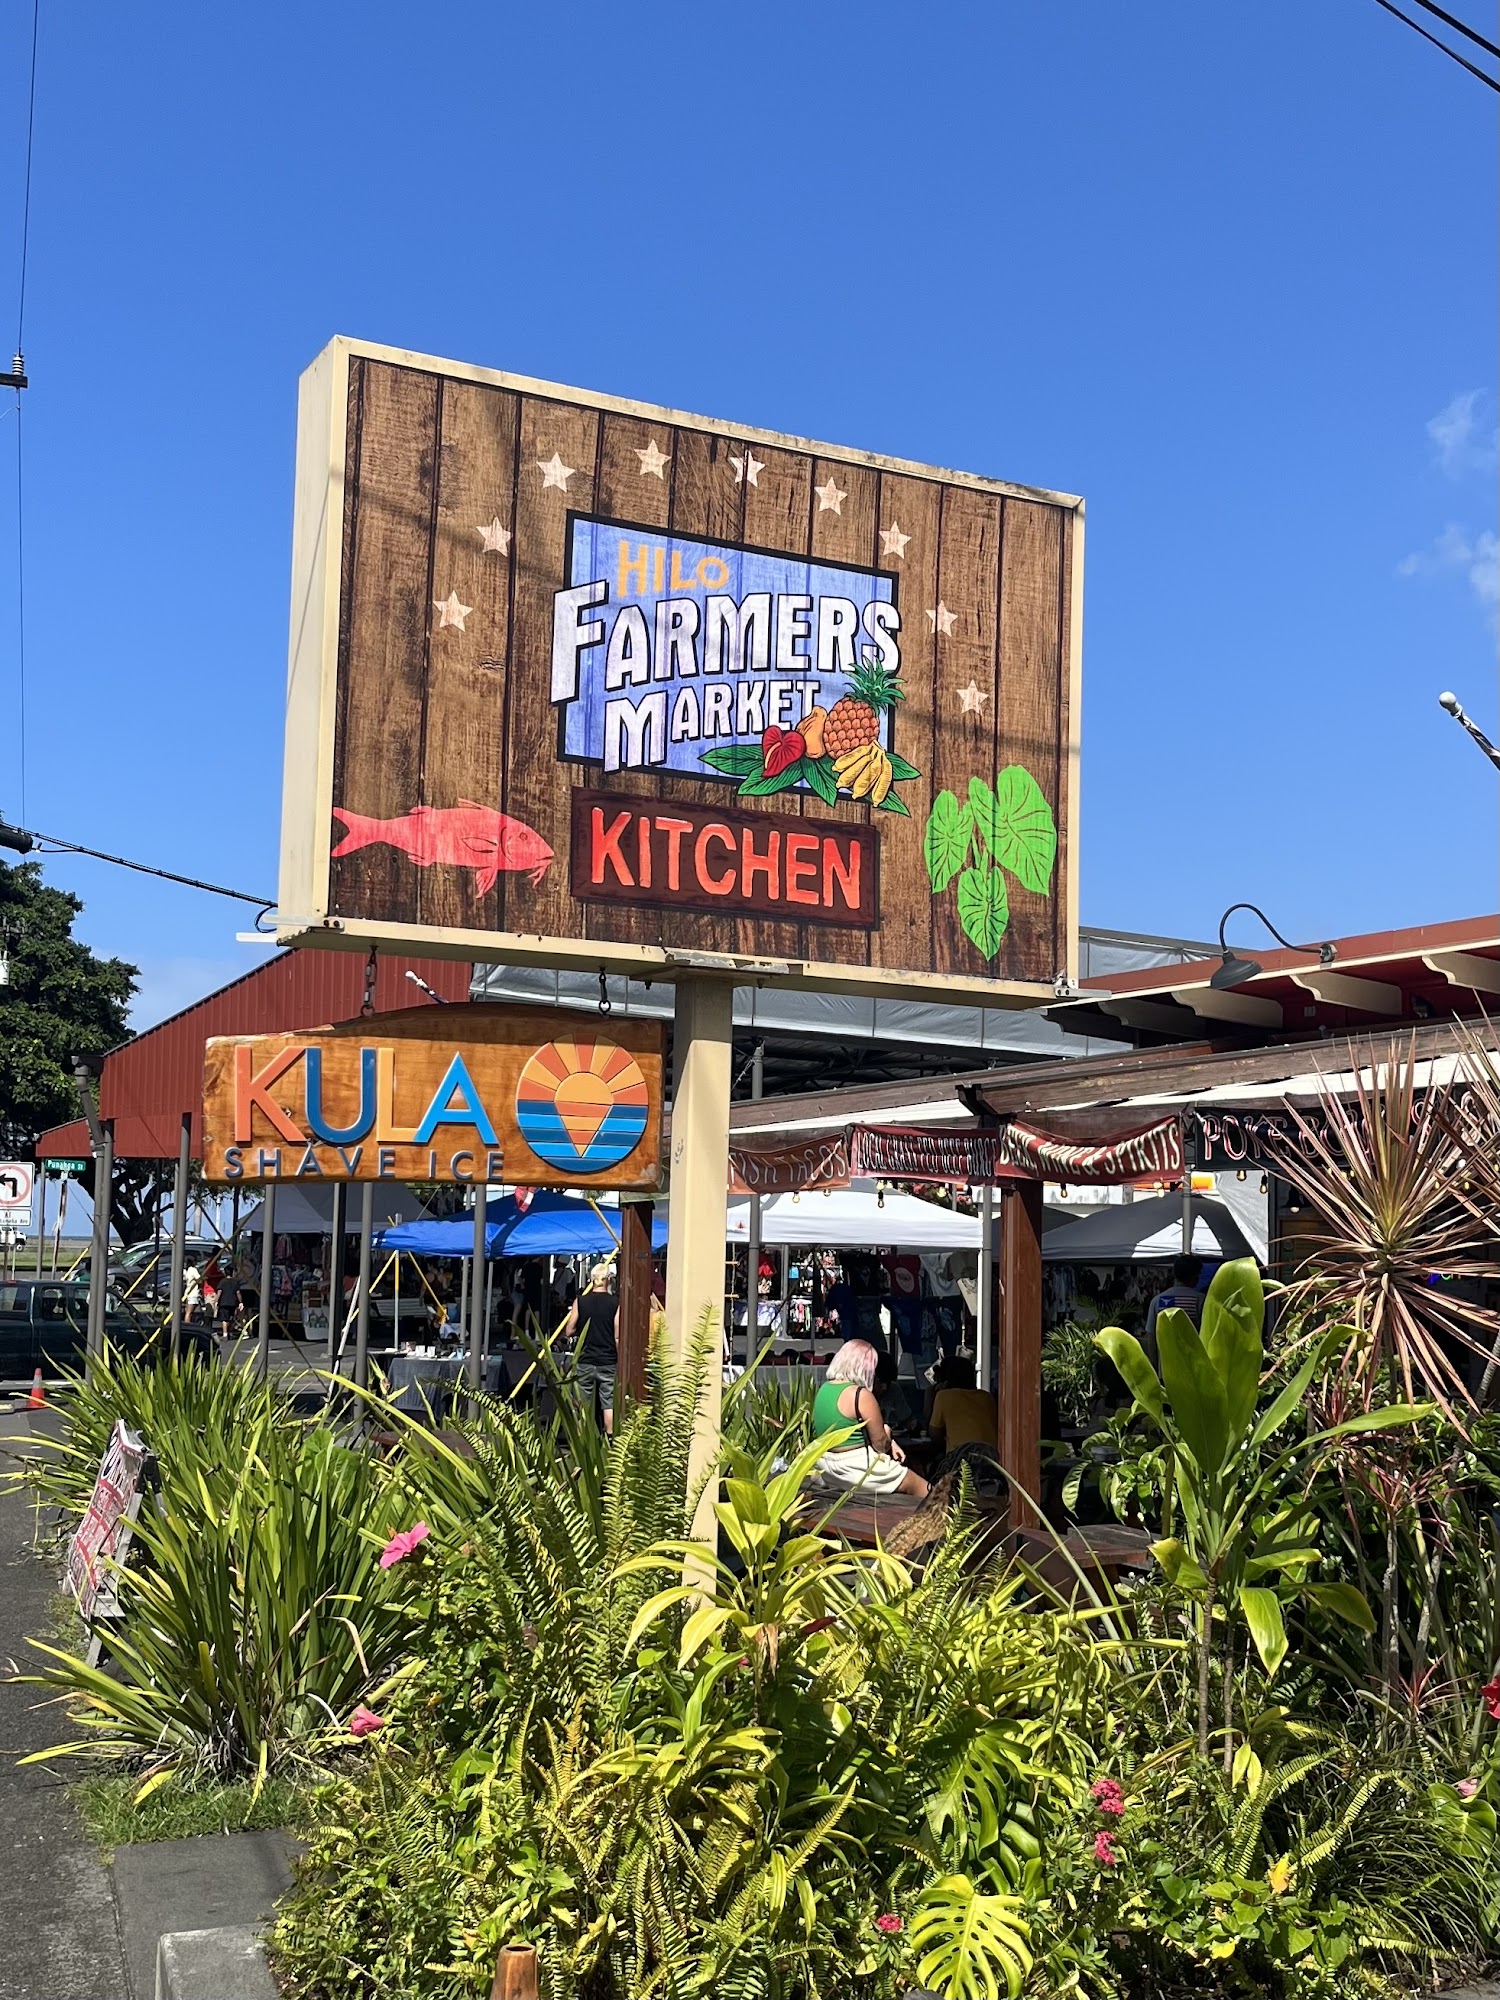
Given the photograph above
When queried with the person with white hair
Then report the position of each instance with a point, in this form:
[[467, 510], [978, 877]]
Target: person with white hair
[[868, 1456], [590, 1324]]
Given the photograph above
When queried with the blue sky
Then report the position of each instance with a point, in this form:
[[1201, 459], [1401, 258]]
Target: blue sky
[[1228, 272]]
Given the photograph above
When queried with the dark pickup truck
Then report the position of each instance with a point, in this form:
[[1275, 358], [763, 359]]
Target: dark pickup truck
[[44, 1324]]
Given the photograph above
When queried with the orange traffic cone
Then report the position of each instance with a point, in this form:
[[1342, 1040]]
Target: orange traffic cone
[[37, 1400]]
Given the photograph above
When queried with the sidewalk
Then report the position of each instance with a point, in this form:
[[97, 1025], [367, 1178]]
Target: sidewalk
[[59, 1939]]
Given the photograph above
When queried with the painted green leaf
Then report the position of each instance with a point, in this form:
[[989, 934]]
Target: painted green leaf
[[894, 803], [736, 760], [901, 768], [1022, 833], [760, 788], [985, 815], [983, 908], [945, 843], [820, 775]]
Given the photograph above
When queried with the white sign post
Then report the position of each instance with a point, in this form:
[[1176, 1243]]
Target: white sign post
[[17, 1180]]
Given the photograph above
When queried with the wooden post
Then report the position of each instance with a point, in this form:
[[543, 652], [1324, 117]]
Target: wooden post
[[476, 1288], [516, 1974], [362, 1306], [633, 1322], [703, 1022], [104, 1173], [1020, 1439]]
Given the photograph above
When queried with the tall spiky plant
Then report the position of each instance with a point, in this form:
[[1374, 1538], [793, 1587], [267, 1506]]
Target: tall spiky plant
[[1383, 1170]]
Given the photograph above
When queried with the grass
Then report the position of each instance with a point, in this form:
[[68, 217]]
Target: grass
[[107, 1807]]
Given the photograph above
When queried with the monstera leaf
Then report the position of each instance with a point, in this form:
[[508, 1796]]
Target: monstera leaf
[[983, 908], [945, 844], [1016, 825]]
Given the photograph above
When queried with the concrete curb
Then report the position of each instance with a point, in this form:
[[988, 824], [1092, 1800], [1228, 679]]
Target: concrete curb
[[226, 1964]]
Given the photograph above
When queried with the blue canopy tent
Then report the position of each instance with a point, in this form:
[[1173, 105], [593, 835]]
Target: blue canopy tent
[[552, 1225]]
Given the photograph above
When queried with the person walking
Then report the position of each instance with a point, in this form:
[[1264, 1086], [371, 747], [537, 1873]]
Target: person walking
[[590, 1325], [1184, 1294]]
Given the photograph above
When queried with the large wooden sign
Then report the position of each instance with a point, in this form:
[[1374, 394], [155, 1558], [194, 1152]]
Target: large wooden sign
[[586, 682], [475, 1093]]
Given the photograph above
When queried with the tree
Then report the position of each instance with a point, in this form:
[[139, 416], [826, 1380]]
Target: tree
[[63, 1001]]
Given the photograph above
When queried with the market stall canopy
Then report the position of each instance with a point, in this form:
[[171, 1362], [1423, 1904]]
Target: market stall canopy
[[308, 1211], [551, 1225], [1146, 1232], [848, 1218]]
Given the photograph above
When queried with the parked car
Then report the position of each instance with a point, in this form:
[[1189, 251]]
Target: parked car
[[44, 1324], [143, 1273]]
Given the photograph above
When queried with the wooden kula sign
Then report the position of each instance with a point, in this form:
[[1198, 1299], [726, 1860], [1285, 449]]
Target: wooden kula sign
[[475, 1093], [578, 681]]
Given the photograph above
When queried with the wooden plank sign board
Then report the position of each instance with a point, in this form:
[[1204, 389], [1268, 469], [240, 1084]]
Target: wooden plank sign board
[[578, 681], [477, 1093]]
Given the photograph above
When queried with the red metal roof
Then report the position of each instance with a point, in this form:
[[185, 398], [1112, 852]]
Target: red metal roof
[[148, 1083], [1432, 971]]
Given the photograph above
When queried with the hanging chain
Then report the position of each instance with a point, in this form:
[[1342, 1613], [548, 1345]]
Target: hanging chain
[[372, 966], [606, 1005]]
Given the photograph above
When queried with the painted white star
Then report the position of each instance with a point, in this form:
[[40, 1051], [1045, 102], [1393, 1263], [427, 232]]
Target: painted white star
[[748, 469], [555, 473], [830, 498], [892, 541], [972, 699], [652, 460], [941, 618], [450, 611], [496, 538]]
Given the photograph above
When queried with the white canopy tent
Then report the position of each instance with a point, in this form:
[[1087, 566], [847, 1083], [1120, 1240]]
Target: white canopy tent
[[845, 1218], [308, 1210], [1146, 1232]]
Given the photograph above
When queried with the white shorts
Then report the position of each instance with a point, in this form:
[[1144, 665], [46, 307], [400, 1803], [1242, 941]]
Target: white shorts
[[859, 1466]]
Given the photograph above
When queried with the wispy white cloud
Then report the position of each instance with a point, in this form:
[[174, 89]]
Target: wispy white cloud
[[1462, 436], [1455, 550]]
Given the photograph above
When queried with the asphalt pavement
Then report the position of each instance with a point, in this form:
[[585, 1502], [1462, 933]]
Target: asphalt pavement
[[59, 1934]]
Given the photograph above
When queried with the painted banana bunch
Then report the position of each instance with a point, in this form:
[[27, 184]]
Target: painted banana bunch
[[865, 773]]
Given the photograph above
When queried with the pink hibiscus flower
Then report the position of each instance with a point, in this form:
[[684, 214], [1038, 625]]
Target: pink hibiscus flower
[[399, 1547], [365, 1722]]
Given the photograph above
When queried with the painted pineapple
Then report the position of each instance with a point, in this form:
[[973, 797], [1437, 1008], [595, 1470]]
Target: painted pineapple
[[854, 720]]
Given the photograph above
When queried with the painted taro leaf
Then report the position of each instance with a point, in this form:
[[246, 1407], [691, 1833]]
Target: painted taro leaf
[[983, 908], [1022, 834], [945, 844]]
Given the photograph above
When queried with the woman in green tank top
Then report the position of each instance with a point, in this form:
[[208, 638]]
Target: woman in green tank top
[[868, 1457]]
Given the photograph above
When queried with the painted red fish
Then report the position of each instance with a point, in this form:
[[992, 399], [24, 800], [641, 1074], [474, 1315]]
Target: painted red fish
[[462, 836]]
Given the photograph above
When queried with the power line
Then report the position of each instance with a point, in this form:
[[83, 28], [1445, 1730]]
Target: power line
[[36, 10], [1463, 28], [1417, 28], [22, 839]]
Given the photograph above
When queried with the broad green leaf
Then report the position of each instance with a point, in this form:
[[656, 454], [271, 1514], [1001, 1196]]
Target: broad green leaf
[[1290, 1399], [1262, 1609], [1233, 1318], [1023, 832], [945, 841], [1345, 1602], [1379, 1420], [1192, 1383], [1129, 1357], [983, 908], [700, 1628], [1178, 1566], [760, 788], [736, 760], [819, 774], [969, 1943], [901, 768]]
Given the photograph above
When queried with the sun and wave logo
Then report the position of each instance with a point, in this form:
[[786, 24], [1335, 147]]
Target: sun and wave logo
[[582, 1105]]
